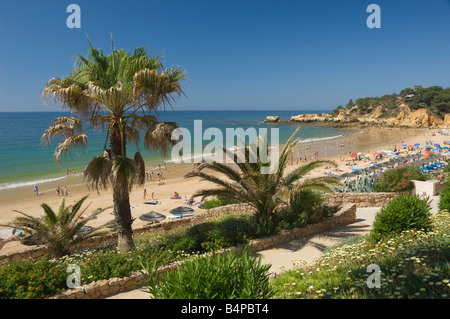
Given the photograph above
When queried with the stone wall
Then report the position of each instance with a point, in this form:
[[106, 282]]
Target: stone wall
[[360, 199], [104, 288]]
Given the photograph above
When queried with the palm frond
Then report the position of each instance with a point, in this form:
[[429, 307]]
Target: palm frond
[[160, 137], [98, 170], [305, 169], [71, 142]]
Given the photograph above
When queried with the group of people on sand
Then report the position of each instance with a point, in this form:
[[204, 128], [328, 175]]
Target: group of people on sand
[[61, 192]]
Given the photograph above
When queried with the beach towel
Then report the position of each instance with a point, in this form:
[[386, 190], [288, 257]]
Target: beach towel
[[153, 202], [6, 231], [176, 197]]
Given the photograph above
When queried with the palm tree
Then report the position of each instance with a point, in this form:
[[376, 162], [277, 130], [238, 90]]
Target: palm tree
[[243, 181], [59, 231], [122, 94]]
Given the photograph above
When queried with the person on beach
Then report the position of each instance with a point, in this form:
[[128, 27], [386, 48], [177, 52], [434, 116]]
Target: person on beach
[[35, 190], [57, 191], [66, 192], [145, 193]]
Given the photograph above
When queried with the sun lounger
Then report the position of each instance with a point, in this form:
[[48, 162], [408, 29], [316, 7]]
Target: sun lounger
[[173, 216]]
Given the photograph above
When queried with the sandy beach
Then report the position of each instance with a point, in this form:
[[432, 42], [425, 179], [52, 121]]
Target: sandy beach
[[367, 140]]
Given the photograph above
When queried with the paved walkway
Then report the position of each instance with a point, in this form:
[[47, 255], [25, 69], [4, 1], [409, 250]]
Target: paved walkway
[[283, 256]]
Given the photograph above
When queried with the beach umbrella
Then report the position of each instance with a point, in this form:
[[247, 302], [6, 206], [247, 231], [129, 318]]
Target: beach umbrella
[[152, 217], [110, 224], [85, 230], [410, 146], [353, 155], [417, 144], [181, 209], [375, 154], [403, 145]]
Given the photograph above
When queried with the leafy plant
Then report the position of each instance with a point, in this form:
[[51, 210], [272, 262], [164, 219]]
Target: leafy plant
[[218, 202], [231, 275], [444, 197], [402, 213], [399, 179], [59, 231], [31, 279], [305, 207]]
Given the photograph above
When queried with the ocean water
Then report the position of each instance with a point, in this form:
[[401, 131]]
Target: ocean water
[[25, 161]]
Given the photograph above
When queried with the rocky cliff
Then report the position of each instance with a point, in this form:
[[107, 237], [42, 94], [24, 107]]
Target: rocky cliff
[[405, 117]]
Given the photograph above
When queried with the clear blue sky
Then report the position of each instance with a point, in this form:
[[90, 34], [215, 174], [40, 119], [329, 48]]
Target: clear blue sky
[[266, 55]]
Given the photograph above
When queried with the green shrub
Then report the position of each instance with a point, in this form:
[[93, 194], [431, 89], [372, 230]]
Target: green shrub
[[404, 212], [447, 167], [217, 202], [306, 207], [229, 276], [31, 279], [444, 195], [399, 179]]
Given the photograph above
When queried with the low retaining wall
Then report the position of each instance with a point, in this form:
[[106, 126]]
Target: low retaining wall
[[103, 288], [360, 199]]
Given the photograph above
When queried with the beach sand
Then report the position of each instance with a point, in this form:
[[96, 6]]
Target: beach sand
[[367, 140]]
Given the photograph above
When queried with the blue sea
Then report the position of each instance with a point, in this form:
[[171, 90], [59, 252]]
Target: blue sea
[[25, 161]]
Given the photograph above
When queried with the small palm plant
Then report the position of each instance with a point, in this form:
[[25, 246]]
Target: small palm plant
[[243, 181], [59, 231]]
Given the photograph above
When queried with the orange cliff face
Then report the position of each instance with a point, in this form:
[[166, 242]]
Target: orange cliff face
[[421, 118]]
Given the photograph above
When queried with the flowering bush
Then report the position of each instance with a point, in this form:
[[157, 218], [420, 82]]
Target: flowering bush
[[399, 179], [29, 279]]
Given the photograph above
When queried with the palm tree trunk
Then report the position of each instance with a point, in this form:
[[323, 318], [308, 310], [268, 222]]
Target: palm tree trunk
[[121, 198], [122, 214]]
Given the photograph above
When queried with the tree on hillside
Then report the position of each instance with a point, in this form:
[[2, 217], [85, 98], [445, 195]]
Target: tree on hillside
[[122, 95]]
